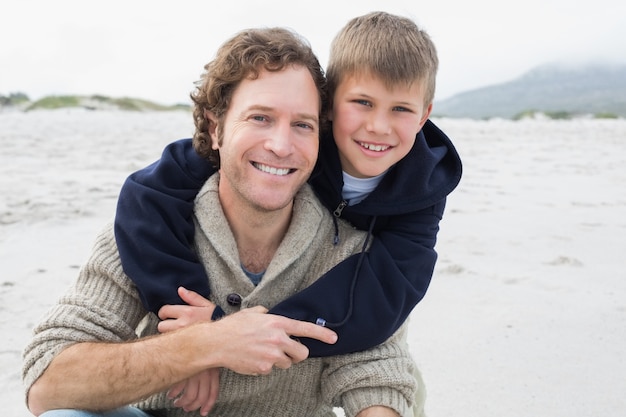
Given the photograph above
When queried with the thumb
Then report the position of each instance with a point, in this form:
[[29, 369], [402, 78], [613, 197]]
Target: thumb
[[193, 298], [255, 309]]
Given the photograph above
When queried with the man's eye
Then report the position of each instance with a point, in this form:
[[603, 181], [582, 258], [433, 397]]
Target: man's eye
[[304, 125], [259, 118]]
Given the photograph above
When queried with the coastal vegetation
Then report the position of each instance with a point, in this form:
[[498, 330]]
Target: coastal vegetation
[[21, 101]]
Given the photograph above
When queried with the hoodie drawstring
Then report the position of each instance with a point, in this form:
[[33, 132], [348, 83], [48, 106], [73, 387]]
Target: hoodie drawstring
[[320, 321]]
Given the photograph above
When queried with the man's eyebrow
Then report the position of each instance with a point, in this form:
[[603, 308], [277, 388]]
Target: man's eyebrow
[[303, 116], [311, 117]]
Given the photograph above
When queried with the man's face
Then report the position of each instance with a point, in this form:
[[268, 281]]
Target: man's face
[[375, 126], [268, 141]]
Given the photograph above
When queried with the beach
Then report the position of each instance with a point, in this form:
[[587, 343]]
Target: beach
[[526, 313]]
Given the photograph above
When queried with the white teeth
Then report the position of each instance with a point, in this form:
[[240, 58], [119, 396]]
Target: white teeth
[[271, 170], [376, 148]]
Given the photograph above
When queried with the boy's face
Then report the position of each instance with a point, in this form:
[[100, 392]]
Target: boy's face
[[374, 126]]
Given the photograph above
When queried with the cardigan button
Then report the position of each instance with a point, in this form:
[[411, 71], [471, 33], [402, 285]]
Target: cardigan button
[[233, 299]]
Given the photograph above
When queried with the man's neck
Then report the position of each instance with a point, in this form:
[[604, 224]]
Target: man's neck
[[258, 233]]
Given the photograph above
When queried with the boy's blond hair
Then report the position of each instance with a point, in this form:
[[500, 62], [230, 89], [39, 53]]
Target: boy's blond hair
[[387, 46]]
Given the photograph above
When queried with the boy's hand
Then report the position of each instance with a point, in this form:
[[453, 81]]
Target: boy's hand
[[178, 316], [198, 392]]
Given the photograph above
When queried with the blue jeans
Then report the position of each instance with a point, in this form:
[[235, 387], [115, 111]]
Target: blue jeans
[[120, 412]]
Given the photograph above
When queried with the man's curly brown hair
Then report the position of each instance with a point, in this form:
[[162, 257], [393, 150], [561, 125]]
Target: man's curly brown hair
[[244, 56]]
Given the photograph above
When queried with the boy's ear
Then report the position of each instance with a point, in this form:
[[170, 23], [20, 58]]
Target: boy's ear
[[426, 115], [213, 128]]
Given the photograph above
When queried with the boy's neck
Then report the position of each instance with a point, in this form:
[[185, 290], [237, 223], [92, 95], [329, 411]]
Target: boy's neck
[[356, 190]]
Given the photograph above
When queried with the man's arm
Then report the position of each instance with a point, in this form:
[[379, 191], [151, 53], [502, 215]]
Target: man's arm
[[102, 376], [85, 354]]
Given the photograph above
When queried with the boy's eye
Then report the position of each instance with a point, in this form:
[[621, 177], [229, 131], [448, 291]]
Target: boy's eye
[[363, 102], [399, 108]]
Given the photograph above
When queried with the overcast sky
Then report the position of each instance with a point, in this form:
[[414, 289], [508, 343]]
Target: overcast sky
[[156, 50]]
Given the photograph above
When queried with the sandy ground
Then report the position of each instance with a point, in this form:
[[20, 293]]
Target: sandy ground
[[526, 314]]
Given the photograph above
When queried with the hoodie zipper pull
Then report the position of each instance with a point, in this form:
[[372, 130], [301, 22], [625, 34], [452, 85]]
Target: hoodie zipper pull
[[340, 208]]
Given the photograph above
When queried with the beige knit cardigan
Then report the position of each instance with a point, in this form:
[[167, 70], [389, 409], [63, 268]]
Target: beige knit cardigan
[[103, 304]]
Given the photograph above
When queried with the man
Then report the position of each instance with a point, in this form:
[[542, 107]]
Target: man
[[258, 113]]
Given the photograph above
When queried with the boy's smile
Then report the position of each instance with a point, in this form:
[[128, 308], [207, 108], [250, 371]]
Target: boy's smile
[[375, 125], [373, 147]]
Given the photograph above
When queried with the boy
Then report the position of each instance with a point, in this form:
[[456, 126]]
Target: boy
[[388, 171]]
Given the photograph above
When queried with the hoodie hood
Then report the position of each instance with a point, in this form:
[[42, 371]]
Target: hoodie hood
[[426, 175]]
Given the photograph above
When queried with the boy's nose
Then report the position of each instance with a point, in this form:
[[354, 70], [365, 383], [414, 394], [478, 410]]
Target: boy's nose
[[379, 123]]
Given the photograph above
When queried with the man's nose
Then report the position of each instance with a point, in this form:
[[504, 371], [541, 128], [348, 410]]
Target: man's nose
[[280, 140]]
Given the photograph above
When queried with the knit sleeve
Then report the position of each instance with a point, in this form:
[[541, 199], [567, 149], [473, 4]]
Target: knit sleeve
[[385, 375], [102, 305]]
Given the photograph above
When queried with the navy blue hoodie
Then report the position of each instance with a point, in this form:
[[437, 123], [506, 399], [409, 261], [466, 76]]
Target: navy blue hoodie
[[364, 299]]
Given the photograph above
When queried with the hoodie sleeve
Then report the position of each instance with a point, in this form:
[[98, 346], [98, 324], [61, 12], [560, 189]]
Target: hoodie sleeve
[[154, 227], [367, 297]]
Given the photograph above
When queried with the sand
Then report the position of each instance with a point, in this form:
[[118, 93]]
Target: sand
[[526, 314]]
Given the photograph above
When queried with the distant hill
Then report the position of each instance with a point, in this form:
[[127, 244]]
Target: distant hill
[[593, 89]]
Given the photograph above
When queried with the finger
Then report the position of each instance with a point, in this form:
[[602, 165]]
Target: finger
[[167, 312], [176, 390], [313, 331], [255, 309], [168, 325], [204, 390], [193, 298], [288, 360], [196, 392], [189, 396], [297, 352], [213, 391]]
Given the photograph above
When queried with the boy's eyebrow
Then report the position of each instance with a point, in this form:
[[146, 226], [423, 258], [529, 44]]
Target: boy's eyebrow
[[304, 116], [403, 103], [406, 103]]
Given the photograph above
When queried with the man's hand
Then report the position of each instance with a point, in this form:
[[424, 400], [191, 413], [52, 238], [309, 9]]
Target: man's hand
[[266, 340], [178, 316]]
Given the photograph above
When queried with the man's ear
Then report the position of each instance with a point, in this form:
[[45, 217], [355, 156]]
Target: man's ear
[[213, 128], [426, 115]]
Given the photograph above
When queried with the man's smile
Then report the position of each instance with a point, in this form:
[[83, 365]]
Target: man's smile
[[271, 170]]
